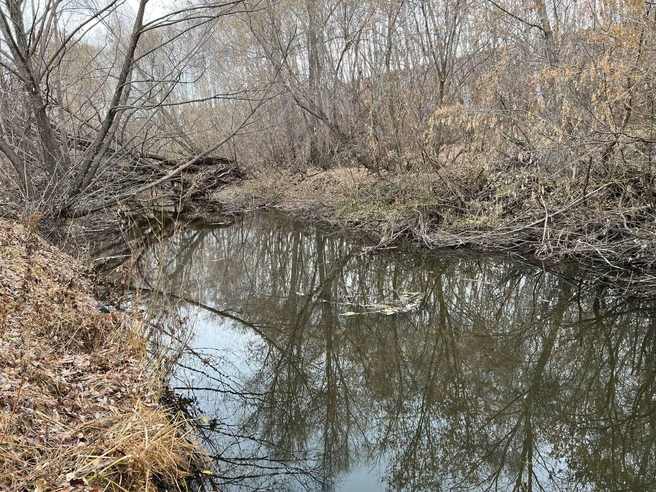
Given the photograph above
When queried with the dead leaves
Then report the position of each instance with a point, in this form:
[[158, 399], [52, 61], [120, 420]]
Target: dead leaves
[[69, 377]]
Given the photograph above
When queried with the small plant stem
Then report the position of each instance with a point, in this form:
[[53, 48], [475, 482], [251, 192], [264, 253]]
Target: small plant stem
[[13, 411]]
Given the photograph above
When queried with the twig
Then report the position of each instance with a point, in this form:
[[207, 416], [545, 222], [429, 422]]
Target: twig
[[546, 220], [13, 411], [558, 212], [601, 255]]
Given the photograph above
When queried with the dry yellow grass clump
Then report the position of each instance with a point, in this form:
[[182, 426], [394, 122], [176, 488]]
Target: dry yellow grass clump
[[79, 402]]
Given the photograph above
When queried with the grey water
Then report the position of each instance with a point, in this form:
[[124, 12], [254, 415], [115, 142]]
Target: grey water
[[311, 362]]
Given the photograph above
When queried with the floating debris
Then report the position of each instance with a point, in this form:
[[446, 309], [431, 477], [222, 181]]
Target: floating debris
[[406, 302]]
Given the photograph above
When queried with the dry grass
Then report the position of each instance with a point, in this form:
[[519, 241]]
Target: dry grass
[[79, 401], [603, 222]]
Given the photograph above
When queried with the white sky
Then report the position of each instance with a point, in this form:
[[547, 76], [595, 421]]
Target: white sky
[[154, 8]]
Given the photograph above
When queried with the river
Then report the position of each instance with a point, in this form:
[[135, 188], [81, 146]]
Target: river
[[312, 363]]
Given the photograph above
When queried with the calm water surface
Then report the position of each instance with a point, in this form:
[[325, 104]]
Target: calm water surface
[[312, 364]]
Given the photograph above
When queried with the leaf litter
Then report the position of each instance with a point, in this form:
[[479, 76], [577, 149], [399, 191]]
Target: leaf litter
[[79, 397]]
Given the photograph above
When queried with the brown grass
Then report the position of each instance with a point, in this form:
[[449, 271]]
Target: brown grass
[[79, 400]]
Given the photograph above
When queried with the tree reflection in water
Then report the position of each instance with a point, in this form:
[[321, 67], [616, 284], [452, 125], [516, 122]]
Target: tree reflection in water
[[505, 377]]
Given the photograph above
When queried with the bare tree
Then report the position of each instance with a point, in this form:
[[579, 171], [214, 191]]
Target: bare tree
[[75, 127]]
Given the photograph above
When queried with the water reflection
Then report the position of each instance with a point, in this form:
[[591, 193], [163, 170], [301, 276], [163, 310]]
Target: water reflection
[[501, 377]]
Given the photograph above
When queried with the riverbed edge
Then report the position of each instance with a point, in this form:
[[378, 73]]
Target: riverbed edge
[[80, 395], [605, 226]]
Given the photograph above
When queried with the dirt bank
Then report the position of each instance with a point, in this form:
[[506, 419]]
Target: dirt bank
[[79, 397], [607, 224]]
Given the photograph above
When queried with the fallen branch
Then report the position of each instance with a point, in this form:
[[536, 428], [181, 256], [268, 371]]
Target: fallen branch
[[558, 212]]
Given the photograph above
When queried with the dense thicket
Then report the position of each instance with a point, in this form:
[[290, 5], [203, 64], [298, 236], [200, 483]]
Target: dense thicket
[[94, 94], [91, 96], [562, 84]]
